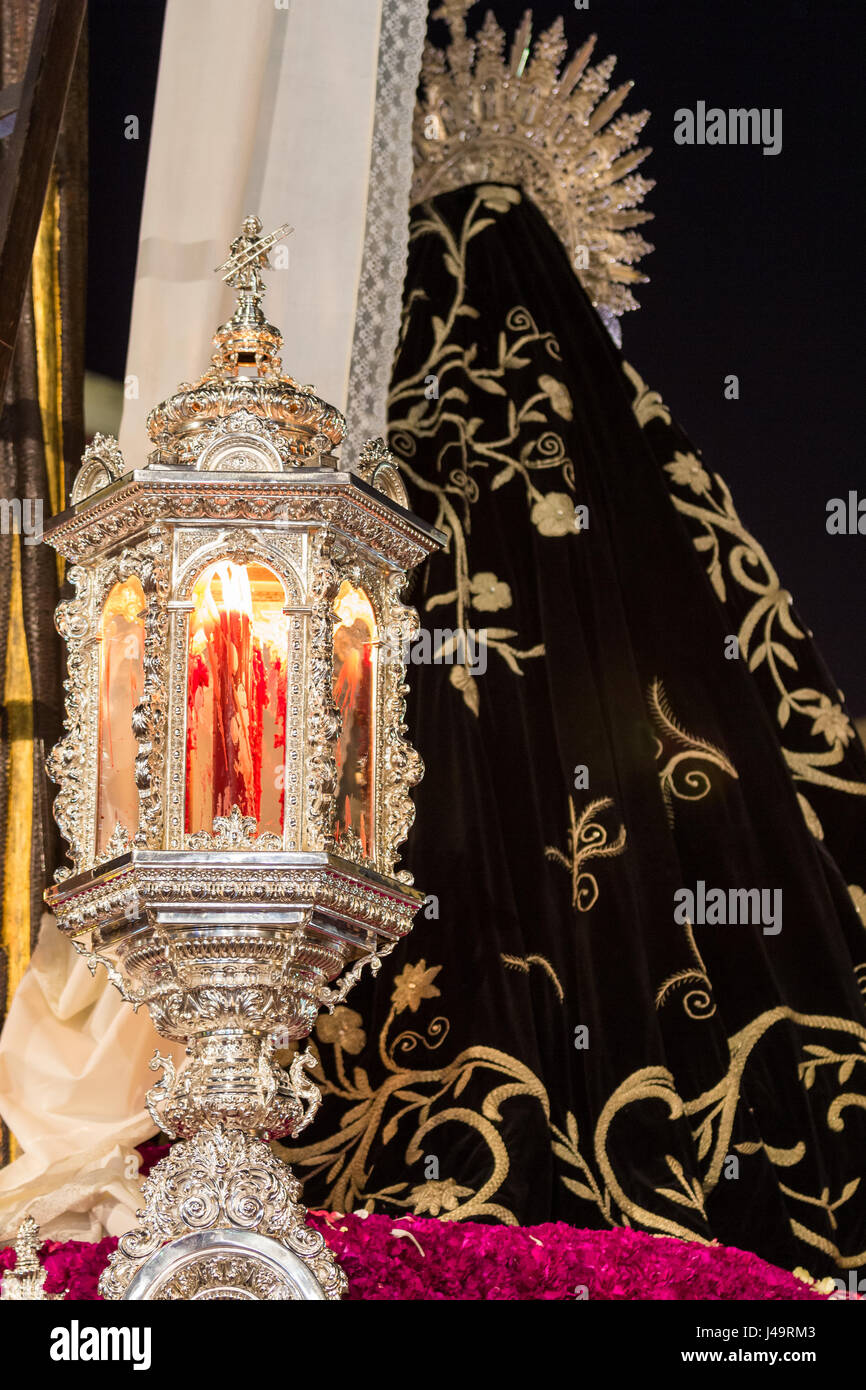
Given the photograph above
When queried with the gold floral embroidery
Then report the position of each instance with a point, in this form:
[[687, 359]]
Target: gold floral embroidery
[[343, 1026], [423, 1098], [415, 1100], [832, 721], [488, 445], [587, 839], [489, 594], [438, 1196], [687, 471], [413, 985], [554, 515], [420, 1099], [694, 783]]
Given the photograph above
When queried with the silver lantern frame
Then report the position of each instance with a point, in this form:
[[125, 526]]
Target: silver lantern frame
[[234, 940]]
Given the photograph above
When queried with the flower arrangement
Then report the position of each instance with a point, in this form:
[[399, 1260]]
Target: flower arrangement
[[420, 1258]]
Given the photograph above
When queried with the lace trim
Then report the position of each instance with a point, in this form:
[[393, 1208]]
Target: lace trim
[[386, 235]]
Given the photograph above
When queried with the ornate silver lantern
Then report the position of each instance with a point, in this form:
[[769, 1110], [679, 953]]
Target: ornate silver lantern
[[234, 779]]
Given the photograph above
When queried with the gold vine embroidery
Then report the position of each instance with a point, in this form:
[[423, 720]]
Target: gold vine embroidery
[[768, 630], [698, 1001], [373, 1117], [712, 1115], [587, 839], [613, 1203], [524, 962], [424, 1097], [695, 783]]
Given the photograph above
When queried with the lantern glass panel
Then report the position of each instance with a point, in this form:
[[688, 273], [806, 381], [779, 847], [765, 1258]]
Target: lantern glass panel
[[236, 697], [121, 678], [355, 636]]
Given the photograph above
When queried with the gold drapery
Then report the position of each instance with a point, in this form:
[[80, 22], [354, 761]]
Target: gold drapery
[[41, 436], [18, 687]]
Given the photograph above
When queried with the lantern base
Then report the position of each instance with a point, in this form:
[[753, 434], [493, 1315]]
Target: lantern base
[[222, 1221], [231, 1078]]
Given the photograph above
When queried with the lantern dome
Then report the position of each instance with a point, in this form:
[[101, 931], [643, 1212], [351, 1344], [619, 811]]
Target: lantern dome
[[243, 392]]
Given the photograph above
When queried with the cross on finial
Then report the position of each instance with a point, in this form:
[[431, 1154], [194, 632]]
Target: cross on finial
[[248, 256], [247, 337]]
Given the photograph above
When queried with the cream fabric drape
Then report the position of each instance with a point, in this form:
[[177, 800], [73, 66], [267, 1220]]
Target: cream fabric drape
[[73, 1073], [266, 109]]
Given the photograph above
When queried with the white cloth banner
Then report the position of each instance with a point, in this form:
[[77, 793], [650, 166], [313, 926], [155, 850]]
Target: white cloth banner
[[260, 109]]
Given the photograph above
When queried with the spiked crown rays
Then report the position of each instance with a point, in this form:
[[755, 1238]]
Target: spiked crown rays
[[552, 130]]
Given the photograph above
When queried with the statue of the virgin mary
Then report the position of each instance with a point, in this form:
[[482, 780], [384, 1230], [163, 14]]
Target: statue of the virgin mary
[[635, 998]]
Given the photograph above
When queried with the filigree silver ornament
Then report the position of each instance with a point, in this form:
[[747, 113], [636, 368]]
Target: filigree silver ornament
[[235, 928], [234, 831], [101, 463], [203, 1202], [377, 466]]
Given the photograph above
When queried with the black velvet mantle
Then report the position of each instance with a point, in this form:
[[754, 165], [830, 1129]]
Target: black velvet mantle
[[554, 1042]]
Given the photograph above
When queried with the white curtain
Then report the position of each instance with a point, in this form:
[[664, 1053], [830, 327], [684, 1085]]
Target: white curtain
[[258, 109]]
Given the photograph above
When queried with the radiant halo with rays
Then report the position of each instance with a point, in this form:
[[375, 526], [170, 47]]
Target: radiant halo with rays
[[553, 130]]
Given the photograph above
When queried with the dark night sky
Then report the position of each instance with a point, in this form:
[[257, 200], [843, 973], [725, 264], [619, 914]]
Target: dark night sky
[[756, 269]]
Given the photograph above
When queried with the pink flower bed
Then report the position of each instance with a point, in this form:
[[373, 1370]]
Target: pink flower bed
[[71, 1264], [422, 1258]]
